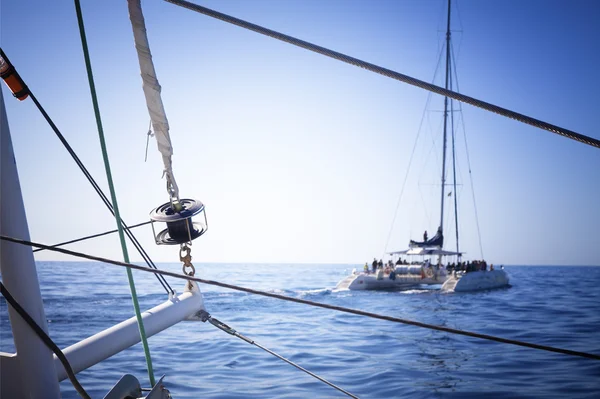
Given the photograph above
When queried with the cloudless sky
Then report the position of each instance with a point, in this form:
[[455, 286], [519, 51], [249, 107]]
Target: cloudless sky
[[300, 158]]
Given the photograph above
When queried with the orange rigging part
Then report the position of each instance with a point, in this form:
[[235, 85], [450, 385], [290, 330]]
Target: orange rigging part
[[12, 79]]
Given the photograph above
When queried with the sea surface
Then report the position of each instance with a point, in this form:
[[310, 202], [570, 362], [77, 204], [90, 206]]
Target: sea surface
[[554, 306]]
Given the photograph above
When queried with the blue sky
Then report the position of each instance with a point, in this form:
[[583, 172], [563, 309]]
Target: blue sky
[[300, 158]]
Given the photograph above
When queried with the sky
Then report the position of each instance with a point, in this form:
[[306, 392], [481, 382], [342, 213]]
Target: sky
[[299, 158]]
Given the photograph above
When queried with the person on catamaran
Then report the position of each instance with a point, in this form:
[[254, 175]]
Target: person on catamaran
[[425, 236], [366, 268], [380, 264], [374, 265]]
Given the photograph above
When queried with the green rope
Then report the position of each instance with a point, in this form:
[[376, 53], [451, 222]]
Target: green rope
[[113, 195]]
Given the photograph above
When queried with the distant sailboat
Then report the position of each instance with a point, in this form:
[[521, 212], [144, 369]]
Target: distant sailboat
[[403, 274]]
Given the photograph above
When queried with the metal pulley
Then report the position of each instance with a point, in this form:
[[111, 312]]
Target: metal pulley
[[178, 214]]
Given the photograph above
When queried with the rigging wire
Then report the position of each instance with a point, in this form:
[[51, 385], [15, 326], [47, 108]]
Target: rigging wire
[[95, 185], [412, 154], [205, 316], [391, 74], [93, 236], [307, 302], [45, 339], [453, 136], [113, 195], [462, 119]]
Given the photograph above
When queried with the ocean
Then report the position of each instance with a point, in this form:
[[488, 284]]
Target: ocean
[[547, 305]]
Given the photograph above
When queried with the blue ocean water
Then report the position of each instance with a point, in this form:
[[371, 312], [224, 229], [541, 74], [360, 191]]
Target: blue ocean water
[[555, 306]]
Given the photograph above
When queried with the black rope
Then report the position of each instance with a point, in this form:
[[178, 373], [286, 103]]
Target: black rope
[[93, 236], [205, 316], [306, 302], [96, 187], [390, 74], [45, 339]]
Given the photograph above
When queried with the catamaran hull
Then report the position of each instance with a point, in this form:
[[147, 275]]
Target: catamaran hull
[[364, 281], [476, 281]]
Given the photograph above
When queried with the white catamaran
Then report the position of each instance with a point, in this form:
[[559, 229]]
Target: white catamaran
[[426, 264]]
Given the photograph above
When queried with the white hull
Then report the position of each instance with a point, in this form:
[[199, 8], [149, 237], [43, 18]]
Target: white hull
[[475, 281], [381, 281]]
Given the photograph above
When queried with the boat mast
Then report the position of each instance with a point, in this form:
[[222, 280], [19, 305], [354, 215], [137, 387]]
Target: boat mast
[[445, 120]]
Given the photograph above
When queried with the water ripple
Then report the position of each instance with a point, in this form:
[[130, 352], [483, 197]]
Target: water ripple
[[370, 358]]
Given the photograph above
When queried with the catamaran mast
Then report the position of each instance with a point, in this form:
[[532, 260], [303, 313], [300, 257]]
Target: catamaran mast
[[445, 120], [453, 142]]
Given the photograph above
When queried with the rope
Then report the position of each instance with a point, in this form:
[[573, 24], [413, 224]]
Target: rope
[[412, 154], [113, 195], [306, 302], [224, 327], [390, 74], [95, 185], [45, 339], [94, 236]]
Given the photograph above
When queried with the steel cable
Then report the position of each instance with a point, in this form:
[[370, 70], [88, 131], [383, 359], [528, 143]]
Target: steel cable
[[224, 327], [92, 236], [389, 73], [311, 303]]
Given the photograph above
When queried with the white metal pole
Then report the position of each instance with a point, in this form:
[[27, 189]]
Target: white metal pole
[[113, 340], [36, 371]]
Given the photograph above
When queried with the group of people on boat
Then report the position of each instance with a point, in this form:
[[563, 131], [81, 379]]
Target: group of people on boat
[[389, 266], [380, 269], [375, 265], [378, 265], [469, 266], [466, 266]]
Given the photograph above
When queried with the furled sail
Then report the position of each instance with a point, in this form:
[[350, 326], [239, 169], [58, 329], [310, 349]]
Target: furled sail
[[436, 241], [152, 93]]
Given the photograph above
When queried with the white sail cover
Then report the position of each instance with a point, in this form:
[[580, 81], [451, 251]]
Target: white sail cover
[[152, 93]]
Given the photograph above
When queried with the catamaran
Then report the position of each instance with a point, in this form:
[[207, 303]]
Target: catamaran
[[429, 268], [416, 268]]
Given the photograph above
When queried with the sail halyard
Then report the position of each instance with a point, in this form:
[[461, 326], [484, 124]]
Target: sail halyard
[[152, 91]]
